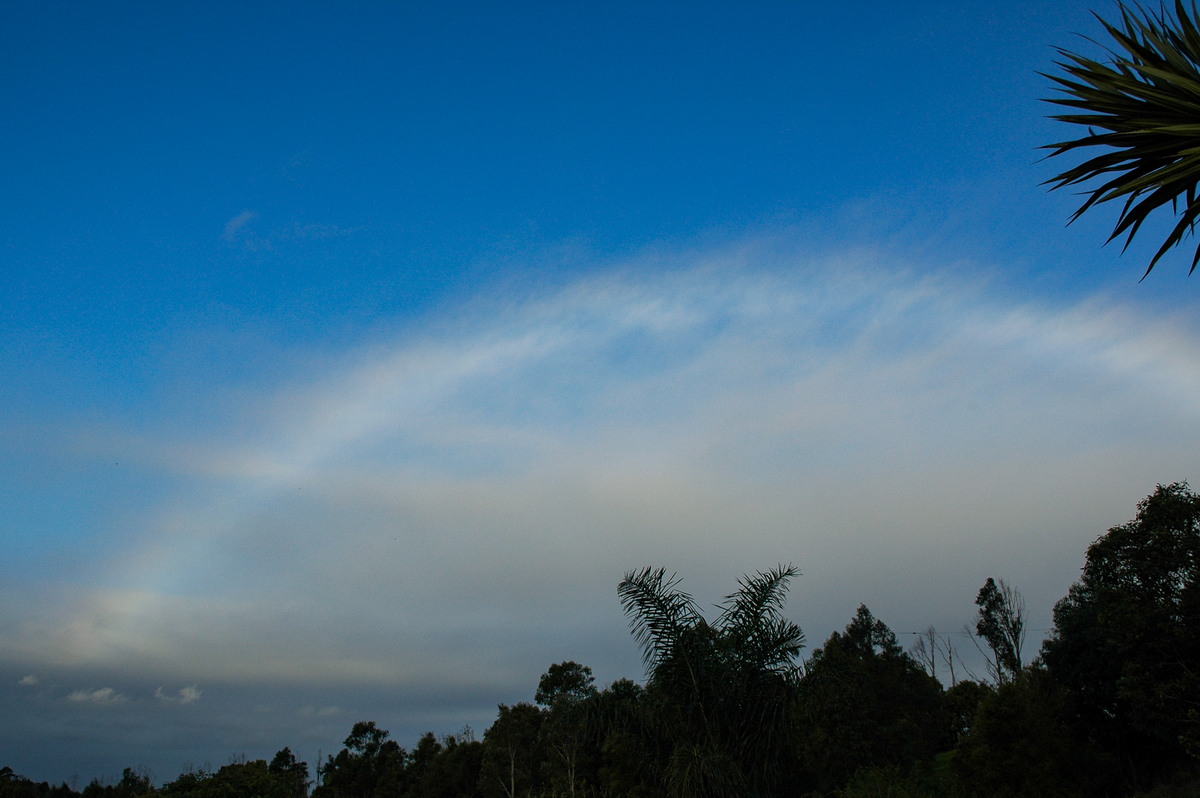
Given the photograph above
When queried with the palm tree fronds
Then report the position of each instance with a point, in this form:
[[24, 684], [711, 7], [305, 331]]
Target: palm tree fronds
[[751, 616], [1143, 108], [658, 612], [722, 690]]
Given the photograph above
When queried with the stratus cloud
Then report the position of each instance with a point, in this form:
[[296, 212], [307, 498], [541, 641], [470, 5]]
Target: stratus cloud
[[104, 696], [899, 435]]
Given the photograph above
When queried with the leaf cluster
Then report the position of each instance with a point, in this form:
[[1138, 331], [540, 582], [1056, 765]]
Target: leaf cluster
[[1143, 109]]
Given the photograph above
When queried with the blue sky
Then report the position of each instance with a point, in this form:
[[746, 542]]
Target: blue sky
[[351, 355]]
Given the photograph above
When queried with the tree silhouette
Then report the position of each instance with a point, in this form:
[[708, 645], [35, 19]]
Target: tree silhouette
[[865, 703], [1125, 644], [722, 691], [1002, 624]]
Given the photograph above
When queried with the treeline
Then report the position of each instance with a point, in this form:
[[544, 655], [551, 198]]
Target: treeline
[[1109, 706]]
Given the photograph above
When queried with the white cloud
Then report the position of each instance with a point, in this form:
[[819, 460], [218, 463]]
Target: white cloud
[[104, 696], [185, 695], [400, 518], [28, 681]]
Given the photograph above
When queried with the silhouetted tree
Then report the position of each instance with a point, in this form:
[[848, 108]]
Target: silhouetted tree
[[445, 768], [1019, 745], [960, 703], [253, 779], [565, 689], [370, 766], [865, 703], [512, 754], [566, 681], [14, 786], [133, 784], [721, 692], [630, 741], [291, 772], [1126, 645], [1002, 624]]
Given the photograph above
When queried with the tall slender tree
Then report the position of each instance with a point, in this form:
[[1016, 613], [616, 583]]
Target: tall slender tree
[[1002, 624]]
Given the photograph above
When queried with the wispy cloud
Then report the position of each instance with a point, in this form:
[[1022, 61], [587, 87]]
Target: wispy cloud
[[241, 231], [234, 228], [104, 696], [400, 515], [185, 695], [28, 681]]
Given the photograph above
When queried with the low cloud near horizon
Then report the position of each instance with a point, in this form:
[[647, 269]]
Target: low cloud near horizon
[[448, 510]]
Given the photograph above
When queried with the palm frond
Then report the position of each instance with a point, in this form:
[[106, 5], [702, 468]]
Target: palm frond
[[756, 597], [1143, 109], [659, 613], [752, 618]]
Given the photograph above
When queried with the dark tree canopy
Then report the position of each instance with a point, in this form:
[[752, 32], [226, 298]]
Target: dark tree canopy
[[283, 778], [1111, 706], [1126, 640], [865, 703], [370, 765], [721, 692], [1019, 745], [512, 752], [565, 681]]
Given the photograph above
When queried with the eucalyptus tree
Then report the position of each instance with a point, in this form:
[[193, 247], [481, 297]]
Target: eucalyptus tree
[[866, 704], [1002, 624], [512, 752], [1141, 108], [567, 691], [369, 766], [284, 777], [1126, 638], [720, 692]]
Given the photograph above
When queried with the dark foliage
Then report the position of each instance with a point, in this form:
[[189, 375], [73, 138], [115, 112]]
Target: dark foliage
[[1110, 708], [1020, 745], [14, 786], [865, 703], [721, 694], [1126, 641]]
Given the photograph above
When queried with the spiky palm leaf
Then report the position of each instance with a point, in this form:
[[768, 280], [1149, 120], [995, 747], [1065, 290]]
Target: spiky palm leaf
[[752, 618], [722, 691], [658, 611], [1146, 102]]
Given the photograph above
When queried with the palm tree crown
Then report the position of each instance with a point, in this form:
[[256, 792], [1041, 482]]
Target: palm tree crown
[[720, 692], [1143, 108]]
